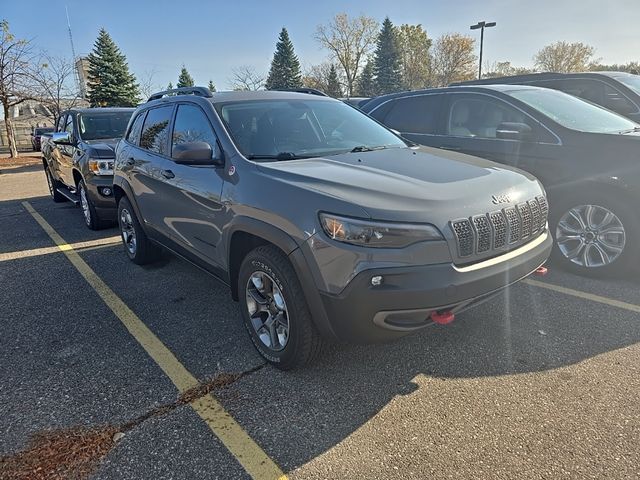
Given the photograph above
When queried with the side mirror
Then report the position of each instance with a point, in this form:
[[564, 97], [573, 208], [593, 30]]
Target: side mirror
[[513, 131], [194, 153], [62, 138]]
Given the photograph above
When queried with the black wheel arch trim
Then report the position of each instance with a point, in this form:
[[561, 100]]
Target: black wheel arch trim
[[123, 185]]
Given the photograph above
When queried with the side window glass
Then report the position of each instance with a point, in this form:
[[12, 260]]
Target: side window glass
[[192, 125], [480, 117], [136, 128], [155, 130], [61, 123], [415, 114], [69, 126], [617, 102]]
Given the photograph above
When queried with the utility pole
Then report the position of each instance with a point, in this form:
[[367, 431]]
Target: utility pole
[[76, 75], [481, 25]]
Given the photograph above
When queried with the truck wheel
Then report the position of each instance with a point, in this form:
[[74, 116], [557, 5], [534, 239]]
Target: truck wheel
[[597, 235], [53, 185], [275, 311], [91, 218], [139, 248]]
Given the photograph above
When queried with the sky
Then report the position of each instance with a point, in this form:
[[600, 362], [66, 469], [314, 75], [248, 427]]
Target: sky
[[211, 38]]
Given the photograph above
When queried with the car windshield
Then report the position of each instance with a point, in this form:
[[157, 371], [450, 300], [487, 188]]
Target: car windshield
[[289, 129], [631, 81], [100, 126], [572, 112]]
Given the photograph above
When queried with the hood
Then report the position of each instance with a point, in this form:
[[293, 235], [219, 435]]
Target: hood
[[419, 184], [103, 148]]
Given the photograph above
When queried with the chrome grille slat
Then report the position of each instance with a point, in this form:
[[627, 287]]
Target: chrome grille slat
[[500, 229]]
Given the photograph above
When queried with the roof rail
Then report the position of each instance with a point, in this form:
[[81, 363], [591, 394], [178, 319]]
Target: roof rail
[[198, 91], [310, 91]]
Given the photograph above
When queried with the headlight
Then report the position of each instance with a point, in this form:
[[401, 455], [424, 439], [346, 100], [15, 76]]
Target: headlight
[[101, 167], [371, 233]]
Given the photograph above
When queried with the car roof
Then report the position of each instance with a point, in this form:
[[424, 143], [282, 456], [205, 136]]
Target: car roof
[[102, 110], [542, 76], [221, 97]]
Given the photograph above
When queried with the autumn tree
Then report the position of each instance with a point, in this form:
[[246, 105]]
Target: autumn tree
[[317, 76], [387, 60], [415, 56], [564, 57], [246, 78], [366, 85], [349, 42], [285, 66], [631, 67], [185, 79], [453, 59], [110, 82], [504, 69]]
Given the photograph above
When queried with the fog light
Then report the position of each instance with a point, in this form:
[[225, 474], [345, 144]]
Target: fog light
[[377, 280], [106, 191]]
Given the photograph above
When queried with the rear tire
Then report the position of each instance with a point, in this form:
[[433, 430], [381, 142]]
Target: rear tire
[[53, 185], [137, 245], [275, 311]]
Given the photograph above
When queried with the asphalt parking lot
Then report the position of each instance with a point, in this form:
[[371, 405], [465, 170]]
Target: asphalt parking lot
[[542, 382]]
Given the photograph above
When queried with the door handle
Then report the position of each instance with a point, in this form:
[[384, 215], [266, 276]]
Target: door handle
[[451, 147], [130, 161], [168, 174]]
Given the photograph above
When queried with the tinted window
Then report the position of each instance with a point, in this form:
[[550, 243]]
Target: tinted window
[[101, 126], [417, 114], [155, 131], [631, 81], [69, 125], [480, 115], [192, 125], [60, 124], [571, 112], [595, 91], [134, 132]]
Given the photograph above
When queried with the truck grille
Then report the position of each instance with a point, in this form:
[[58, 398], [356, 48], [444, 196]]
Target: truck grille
[[501, 228]]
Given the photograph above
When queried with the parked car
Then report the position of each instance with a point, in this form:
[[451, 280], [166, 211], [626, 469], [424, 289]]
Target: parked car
[[78, 160], [36, 134], [586, 157], [616, 91], [323, 223], [356, 101]]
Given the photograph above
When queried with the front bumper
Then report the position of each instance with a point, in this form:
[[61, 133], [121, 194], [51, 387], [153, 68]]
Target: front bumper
[[105, 205], [363, 313]]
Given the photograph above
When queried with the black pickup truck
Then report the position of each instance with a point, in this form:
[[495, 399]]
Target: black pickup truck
[[78, 160]]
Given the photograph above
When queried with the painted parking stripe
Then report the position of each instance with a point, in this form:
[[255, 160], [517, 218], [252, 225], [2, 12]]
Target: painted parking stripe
[[584, 295], [246, 451], [84, 246]]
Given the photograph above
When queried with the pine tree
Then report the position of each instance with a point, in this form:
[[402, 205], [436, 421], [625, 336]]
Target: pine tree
[[387, 66], [285, 66], [212, 87], [170, 86], [365, 84], [185, 79], [333, 84], [110, 82]]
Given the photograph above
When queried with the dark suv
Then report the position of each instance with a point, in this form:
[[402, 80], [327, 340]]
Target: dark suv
[[323, 222]]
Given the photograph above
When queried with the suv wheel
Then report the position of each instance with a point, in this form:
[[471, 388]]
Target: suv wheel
[[595, 236], [53, 185], [91, 218], [139, 248], [275, 311]]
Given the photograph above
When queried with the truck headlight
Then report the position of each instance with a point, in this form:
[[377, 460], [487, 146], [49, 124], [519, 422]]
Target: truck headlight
[[370, 233], [101, 167]]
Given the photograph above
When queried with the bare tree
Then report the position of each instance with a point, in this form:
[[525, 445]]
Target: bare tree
[[349, 42], [147, 84], [54, 84], [564, 57], [16, 77], [246, 78], [453, 59], [317, 76]]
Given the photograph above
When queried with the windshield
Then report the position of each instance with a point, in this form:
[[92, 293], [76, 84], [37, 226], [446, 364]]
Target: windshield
[[288, 129], [572, 112], [631, 81], [100, 126]]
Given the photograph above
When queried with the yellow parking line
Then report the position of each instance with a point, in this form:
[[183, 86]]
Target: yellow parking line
[[84, 246], [246, 451], [584, 295]]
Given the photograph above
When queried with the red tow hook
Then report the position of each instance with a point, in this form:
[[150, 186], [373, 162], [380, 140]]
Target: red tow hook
[[541, 271], [443, 318]]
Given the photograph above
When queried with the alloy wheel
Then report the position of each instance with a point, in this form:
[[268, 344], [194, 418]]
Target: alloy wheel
[[85, 206], [128, 231], [267, 311], [590, 236]]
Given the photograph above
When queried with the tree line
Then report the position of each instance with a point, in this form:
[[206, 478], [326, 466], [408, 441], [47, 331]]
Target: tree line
[[364, 58]]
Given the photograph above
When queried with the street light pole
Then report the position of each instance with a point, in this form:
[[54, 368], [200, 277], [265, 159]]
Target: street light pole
[[481, 26]]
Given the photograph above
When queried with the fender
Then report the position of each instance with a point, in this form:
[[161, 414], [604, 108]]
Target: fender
[[128, 192]]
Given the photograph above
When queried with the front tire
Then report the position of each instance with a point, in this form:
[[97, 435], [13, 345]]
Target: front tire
[[137, 245], [91, 218], [275, 311], [595, 236]]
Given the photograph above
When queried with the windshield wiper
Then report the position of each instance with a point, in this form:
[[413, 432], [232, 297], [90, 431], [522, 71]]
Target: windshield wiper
[[364, 148], [278, 156], [634, 129]]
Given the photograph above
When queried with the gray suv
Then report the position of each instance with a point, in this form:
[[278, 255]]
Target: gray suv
[[323, 223]]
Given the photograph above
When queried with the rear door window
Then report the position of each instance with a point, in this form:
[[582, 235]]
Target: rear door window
[[155, 130], [416, 114], [133, 136]]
